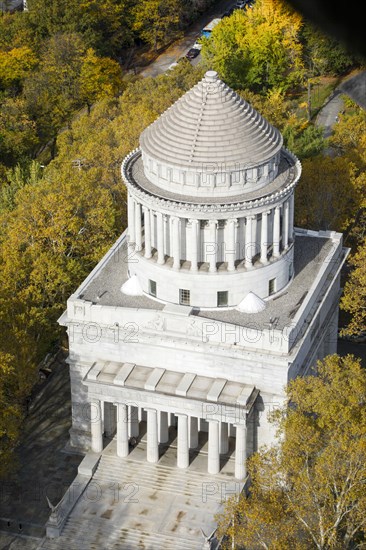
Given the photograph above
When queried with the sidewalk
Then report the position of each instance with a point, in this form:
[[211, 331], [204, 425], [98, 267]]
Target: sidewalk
[[42, 467]]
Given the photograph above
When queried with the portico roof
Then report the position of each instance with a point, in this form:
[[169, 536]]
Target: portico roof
[[172, 383]]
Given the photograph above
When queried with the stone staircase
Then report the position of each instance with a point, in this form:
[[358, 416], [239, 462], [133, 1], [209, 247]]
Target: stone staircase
[[186, 483], [132, 504]]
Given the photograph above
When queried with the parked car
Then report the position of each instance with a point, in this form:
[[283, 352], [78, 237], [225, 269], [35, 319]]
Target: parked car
[[197, 46], [240, 4], [192, 53]]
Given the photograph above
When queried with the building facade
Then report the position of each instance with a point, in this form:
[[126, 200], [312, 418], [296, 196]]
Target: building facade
[[211, 300]]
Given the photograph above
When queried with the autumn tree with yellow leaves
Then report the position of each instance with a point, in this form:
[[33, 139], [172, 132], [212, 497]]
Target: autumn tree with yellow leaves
[[258, 48], [308, 491]]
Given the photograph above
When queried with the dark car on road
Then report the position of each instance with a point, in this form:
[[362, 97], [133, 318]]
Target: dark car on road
[[192, 53]]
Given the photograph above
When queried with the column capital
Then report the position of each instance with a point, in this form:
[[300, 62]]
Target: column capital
[[150, 409]]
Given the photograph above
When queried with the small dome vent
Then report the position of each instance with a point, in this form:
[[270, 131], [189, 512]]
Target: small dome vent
[[251, 304], [132, 287]]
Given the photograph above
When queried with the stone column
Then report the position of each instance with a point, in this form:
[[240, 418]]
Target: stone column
[[122, 430], [160, 238], [286, 207], [291, 218], [131, 222], [212, 253], [147, 232], [193, 432], [249, 242], [240, 451], [276, 232], [96, 426], [231, 245], [194, 245], [152, 436], [163, 429], [138, 235], [213, 447], [183, 448], [224, 438], [171, 419], [264, 237], [176, 242], [133, 421]]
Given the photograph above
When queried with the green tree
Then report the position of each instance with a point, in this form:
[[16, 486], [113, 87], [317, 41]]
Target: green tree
[[308, 490], [325, 55], [157, 21], [257, 49]]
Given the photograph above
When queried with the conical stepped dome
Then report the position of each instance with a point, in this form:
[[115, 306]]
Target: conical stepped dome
[[210, 143], [211, 124]]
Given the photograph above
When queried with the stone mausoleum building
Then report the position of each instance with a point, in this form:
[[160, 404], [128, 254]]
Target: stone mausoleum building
[[185, 334]]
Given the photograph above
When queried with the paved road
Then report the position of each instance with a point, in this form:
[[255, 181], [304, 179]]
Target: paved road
[[327, 116], [180, 48]]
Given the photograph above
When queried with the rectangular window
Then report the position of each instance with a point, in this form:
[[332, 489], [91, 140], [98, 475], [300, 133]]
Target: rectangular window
[[152, 287], [222, 298], [184, 297], [271, 286]]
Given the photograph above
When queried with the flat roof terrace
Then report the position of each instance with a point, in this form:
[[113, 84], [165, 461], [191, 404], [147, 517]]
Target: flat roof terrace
[[313, 254]]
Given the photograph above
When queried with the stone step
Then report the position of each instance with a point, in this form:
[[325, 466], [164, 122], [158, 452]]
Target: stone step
[[174, 481], [78, 535]]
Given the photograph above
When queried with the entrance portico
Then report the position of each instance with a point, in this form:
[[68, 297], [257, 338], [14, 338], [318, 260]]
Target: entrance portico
[[221, 404]]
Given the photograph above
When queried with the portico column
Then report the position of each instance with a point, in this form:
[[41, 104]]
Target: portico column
[[160, 238], [152, 454], [96, 426], [248, 242], [138, 229], [231, 246], [133, 421], [171, 419], [264, 238], [163, 429], [224, 438], [212, 252], [286, 207], [193, 432], [194, 240], [213, 447], [176, 242], [122, 430], [147, 232], [131, 221], [276, 232], [291, 218], [240, 451], [183, 448]]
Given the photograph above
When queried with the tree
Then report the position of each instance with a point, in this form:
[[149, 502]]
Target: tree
[[52, 92], [18, 133], [257, 49], [99, 78], [157, 21], [15, 65], [308, 490], [325, 54], [354, 296], [326, 197]]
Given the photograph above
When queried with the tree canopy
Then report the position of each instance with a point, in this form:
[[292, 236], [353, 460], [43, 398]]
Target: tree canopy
[[259, 48], [308, 491]]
